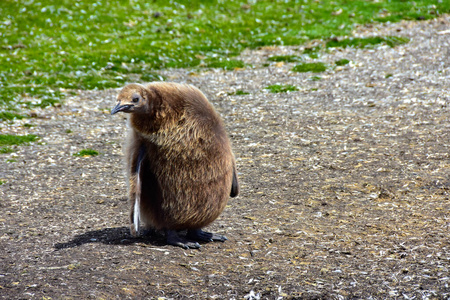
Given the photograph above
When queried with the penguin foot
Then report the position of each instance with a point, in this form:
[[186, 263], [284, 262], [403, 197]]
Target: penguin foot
[[203, 236], [175, 240]]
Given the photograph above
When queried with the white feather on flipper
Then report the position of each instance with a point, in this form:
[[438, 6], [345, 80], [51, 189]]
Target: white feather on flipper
[[137, 202]]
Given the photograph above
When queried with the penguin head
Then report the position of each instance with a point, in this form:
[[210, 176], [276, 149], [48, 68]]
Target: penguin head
[[133, 98]]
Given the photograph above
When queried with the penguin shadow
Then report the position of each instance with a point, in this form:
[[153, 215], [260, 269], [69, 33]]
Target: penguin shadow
[[113, 236]]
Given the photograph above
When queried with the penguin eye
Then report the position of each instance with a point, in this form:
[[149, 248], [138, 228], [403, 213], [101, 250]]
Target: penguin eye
[[135, 99]]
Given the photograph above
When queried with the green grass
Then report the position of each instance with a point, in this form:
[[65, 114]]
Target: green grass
[[285, 58], [2, 182], [239, 93], [312, 52], [10, 140], [225, 63], [281, 88], [315, 67], [49, 47], [86, 152], [6, 115], [4, 150], [391, 41], [342, 62]]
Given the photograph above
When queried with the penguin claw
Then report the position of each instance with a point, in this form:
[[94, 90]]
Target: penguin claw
[[174, 240], [203, 236], [188, 245]]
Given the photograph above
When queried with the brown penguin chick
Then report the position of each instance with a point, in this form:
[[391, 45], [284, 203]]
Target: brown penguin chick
[[180, 165]]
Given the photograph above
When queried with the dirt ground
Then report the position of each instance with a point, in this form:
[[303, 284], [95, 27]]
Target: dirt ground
[[344, 186]]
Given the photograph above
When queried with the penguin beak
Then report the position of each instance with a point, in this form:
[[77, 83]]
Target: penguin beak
[[119, 108]]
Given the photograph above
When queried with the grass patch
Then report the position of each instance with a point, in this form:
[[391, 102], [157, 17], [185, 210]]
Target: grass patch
[[51, 46], [239, 93], [391, 41], [86, 152], [315, 78], [9, 139], [285, 58], [149, 77], [226, 64], [342, 62], [6, 115], [315, 67], [13, 96], [2, 182], [281, 88], [312, 52], [5, 150]]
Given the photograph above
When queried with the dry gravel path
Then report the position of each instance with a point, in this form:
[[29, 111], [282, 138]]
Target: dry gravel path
[[345, 186]]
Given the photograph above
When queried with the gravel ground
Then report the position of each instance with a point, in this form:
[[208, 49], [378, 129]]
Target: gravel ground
[[345, 186]]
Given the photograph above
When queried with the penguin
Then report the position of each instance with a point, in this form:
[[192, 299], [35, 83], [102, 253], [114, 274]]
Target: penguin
[[180, 167]]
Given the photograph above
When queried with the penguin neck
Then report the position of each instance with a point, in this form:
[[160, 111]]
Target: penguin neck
[[152, 121], [145, 123]]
